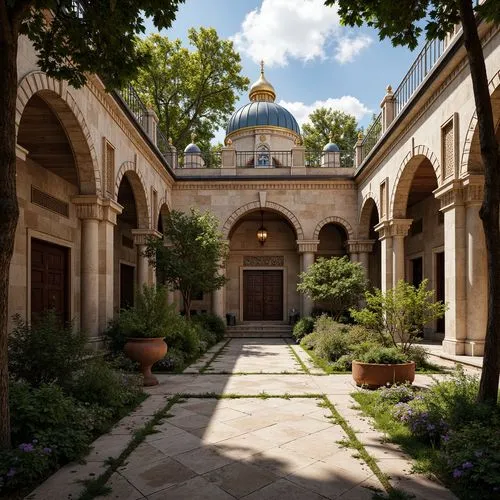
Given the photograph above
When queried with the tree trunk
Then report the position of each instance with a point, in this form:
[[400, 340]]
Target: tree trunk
[[9, 209], [489, 213]]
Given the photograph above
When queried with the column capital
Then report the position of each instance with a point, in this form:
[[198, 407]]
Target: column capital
[[473, 192], [307, 245], [88, 206], [110, 210], [393, 228], [450, 195], [360, 246], [141, 236]]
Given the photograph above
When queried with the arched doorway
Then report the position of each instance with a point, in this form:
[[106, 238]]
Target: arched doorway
[[368, 220], [262, 282]]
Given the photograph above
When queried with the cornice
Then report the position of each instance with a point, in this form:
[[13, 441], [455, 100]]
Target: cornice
[[263, 185]]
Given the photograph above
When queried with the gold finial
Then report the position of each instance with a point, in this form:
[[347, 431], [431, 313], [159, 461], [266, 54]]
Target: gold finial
[[389, 89], [360, 135], [330, 136], [170, 141], [262, 66], [229, 142], [298, 141], [193, 137]]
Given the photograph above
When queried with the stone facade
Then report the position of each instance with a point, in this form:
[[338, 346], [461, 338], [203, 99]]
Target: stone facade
[[414, 197]]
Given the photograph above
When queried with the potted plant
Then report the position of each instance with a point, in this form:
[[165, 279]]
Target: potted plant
[[145, 327], [398, 316]]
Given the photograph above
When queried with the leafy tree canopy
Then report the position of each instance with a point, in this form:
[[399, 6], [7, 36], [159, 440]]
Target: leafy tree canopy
[[327, 124], [338, 282], [192, 254], [192, 90]]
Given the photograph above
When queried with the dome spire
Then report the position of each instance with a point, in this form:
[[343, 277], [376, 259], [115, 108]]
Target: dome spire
[[262, 90]]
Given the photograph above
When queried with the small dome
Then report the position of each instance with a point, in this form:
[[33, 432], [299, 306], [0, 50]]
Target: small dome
[[331, 147], [192, 148], [262, 90]]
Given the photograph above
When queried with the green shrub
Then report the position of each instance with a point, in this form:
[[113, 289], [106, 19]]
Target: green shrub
[[114, 337], [303, 327], [174, 361], [54, 420], [211, 323], [329, 340], [383, 355], [98, 383], [45, 351]]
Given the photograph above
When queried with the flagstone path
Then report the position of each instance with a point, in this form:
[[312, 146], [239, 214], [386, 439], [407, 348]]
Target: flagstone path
[[247, 421]]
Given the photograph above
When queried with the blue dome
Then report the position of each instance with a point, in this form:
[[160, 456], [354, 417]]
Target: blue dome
[[262, 113], [331, 148], [192, 148]]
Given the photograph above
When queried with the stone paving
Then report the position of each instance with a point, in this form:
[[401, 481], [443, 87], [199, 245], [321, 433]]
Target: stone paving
[[251, 424]]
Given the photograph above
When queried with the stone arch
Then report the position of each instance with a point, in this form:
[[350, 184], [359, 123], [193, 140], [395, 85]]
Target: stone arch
[[369, 201], [471, 153], [255, 205], [136, 179], [163, 206], [406, 172], [56, 94], [334, 220]]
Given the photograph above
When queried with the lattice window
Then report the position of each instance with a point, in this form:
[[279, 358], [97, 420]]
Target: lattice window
[[448, 149], [109, 167], [48, 202]]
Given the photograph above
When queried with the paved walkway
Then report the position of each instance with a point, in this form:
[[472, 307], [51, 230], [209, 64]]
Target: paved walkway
[[251, 422]]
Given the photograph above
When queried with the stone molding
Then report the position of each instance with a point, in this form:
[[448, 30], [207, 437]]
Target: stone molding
[[360, 246], [244, 185], [450, 195], [473, 186], [110, 210], [308, 246], [393, 228], [88, 207], [333, 220], [141, 236]]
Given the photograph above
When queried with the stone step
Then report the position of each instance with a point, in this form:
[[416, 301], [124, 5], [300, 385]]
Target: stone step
[[257, 334]]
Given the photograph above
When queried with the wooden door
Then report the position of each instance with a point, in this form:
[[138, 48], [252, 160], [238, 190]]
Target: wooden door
[[263, 295], [126, 286], [49, 279]]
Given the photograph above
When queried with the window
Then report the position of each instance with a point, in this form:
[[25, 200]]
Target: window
[[263, 156]]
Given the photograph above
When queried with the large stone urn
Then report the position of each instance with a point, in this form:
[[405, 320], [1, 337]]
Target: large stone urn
[[146, 351], [373, 375]]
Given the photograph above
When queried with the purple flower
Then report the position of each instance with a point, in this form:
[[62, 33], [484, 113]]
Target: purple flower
[[457, 473], [445, 438], [467, 465], [11, 472], [47, 451], [26, 447]]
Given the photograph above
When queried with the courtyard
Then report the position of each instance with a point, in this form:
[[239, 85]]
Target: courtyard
[[249, 420]]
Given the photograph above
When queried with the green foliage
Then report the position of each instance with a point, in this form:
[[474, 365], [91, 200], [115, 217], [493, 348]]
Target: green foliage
[[192, 90], [303, 327], [45, 351], [150, 317], [193, 254], [399, 314], [327, 124], [100, 37], [211, 323], [337, 281], [382, 355], [97, 383]]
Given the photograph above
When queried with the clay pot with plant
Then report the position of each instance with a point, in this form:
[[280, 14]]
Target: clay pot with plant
[[398, 316]]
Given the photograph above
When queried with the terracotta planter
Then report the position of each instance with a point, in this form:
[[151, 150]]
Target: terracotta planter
[[373, 375], [147, 351]]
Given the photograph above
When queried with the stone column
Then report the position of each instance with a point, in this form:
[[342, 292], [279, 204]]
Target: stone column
[[452, 205], [89, 210], [219, 296], [399, 230], [110, 210], [361, 249], [358, 151], [388, 108], [140, 239], [477, 269], [307, 249], [152, 124], [385, 237]]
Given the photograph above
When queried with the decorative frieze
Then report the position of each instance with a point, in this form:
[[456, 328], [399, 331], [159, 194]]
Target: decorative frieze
[[450, 195], [360, 246], [88, 207], [192, 185], [264, 260], [393, 227]]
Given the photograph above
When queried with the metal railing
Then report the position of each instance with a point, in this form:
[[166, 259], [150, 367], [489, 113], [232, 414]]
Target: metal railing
[[204, 159], [135, 105], [316, 159], [263, 159]]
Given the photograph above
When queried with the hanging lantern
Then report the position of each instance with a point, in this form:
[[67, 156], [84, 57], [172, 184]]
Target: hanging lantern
[[262, 231]]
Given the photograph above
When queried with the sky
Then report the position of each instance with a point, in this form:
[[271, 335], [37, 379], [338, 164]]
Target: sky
[[310, 59]]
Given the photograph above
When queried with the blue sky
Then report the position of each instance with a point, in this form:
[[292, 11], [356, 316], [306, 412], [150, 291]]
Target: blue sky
[[310, 58]]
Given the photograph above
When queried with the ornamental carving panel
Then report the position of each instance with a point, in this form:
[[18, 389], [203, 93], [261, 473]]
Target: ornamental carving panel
[[448, 149], [264, 260]]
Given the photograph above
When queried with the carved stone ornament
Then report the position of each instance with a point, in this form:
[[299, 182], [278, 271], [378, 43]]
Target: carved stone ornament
[[264, 260]]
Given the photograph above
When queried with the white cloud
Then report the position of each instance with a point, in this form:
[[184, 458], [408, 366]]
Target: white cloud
[[346, 103], [349, 47], [284, 29]]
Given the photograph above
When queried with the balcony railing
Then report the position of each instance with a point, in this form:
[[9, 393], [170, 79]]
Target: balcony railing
[[263, 159], [204, 159], [135, 105], [317, 159]]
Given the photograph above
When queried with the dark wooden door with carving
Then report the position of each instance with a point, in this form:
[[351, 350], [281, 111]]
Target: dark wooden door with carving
[[263, 295], [49, 279]]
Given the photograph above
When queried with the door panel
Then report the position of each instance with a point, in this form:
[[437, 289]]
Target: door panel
[[49, 278], [262, 295]]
